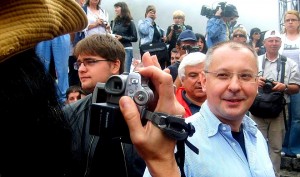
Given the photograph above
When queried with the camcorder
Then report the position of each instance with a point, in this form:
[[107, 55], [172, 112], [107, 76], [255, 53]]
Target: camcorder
[[106, 119], [228, 10], [267, 88], [191, 49]]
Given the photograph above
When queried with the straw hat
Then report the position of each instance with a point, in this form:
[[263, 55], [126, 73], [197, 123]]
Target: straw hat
[[24, 23]]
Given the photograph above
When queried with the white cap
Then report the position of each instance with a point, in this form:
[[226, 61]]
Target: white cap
[[272, 33]]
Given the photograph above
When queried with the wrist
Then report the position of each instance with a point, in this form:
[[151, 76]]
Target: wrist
[[286, 88]]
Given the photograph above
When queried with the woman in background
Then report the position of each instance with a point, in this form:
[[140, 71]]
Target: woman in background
[[124, 30], [290, 48], [256, 41], [201, 42]]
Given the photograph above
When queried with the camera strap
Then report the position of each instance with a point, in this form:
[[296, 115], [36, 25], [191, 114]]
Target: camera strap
[[176, 128], [173, 126]]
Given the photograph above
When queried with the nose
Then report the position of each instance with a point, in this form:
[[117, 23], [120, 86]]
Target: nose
[[234, 83]]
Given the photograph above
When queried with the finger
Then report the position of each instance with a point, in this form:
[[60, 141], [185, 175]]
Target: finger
[[149, 60], [131, 116], [163, 84]]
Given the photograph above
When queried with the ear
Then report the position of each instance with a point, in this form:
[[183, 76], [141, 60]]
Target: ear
[[203, 81], [115, 67]]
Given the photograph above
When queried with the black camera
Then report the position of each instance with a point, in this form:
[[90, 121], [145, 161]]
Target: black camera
[[106, 118], [177, 27], [191, 49], [267, 88]]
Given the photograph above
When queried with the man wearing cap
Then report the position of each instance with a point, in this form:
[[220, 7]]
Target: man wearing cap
[[273, 129], [186, 40], [217, 28]]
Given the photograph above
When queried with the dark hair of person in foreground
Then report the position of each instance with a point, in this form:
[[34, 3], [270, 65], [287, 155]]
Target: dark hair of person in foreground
[[33, 136]]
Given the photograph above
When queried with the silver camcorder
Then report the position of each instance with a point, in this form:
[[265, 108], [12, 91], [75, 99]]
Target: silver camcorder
[[106, 118]]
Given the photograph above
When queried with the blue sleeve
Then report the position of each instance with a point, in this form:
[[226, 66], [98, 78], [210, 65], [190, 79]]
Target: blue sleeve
[[214, 26], [144, 26]]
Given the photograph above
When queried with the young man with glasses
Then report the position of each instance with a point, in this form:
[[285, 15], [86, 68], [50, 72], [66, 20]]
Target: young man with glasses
[[224, 135], [98, 57]]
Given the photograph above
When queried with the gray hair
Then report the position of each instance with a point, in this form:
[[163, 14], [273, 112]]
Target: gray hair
[[191, 59]]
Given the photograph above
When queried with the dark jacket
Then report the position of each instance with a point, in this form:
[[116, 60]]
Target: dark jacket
[[128, 32], [90, 158]]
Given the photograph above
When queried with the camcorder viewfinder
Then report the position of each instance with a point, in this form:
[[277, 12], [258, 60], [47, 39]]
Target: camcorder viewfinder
[[106, 119]]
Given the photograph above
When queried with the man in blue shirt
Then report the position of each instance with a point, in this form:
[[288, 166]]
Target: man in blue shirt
[[228, 141], [217, 26]]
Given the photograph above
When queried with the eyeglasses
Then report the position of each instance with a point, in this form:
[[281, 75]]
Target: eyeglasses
[[86, 62], [291, 20], [227, 76], [239, 35]]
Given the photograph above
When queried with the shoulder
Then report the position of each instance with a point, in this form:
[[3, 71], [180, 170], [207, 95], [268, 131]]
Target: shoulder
[[75, 109]]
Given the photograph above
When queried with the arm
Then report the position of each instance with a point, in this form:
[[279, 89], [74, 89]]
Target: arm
[[132, 35], [144, 26], [152, 144]]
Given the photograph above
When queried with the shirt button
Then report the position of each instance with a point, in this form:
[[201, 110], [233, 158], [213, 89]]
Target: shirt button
[[233, 144], [224, 128]]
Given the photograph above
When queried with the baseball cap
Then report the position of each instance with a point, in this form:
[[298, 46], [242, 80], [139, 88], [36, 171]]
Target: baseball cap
[[187, 35], [272, 33]]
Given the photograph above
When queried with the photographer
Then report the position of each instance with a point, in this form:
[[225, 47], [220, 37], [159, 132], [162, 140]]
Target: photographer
[[270, 66], [175, 29], [217, 28]]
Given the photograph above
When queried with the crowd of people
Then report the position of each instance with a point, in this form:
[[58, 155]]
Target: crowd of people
[[207, 80]]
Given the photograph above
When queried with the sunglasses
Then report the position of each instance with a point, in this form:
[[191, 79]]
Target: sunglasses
[[239, 35], [256, 33]]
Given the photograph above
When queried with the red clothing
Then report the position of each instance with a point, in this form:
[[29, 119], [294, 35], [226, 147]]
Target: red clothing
[[180, 99]]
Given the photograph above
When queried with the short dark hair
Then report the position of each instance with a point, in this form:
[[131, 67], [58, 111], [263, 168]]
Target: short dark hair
[[103, 45]]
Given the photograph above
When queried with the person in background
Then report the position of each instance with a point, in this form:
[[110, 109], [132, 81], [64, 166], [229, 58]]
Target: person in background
[[273, 128], [239, 35], [201, 42], [150, 32], [291, 48], [35, 140], [255, 41], [230, 81], [58, 50], [74, 93], [190, 95], [217, 26], [97, 18], [99, 56], [124, 30], [174, 30], [186, 40], [174, 56]]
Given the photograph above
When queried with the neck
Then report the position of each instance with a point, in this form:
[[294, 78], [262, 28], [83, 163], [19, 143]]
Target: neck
[[271, 56], [198, 101]]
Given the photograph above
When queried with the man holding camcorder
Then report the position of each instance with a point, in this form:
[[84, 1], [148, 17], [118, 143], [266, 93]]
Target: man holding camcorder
[[217, 26]]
